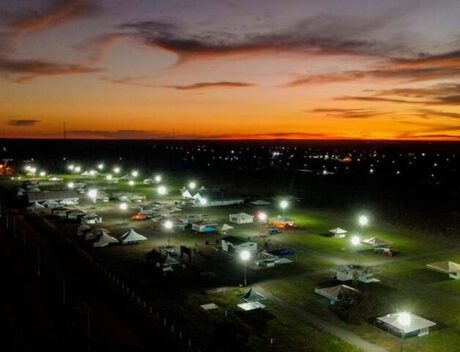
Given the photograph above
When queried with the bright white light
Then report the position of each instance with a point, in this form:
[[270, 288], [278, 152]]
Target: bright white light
[[27, 167], [92, 172], [363, 220], [355, 240], [92, 193], [404, 319], [157, 178], [100, 166], [77, 169], [135, 173], [203, 201], [131, 183], [161, 190], [116, 169], [245, 255], [262, 216], [42, 173], [71, 185], [123, 206], [71, 167], [108, 177], [33, 169], [168, 225], [192, 185], [284, 204]]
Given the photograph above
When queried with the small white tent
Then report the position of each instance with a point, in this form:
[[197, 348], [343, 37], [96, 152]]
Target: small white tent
[[132, 237], [241, 218], [338, 232], [104, 240]]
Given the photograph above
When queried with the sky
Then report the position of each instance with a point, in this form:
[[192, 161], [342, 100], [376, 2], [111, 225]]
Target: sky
[[265, 69]]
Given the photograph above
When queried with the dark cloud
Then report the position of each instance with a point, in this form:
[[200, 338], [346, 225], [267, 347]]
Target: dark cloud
[[428, 113], [23, 123], [358, 113], [325, 35], [380, 99], [26, 70], [207, 85]]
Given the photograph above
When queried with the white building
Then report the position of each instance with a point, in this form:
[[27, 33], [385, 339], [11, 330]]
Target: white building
[[234, 244], [241, 218]]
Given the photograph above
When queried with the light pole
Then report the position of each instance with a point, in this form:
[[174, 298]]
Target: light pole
[[203, 202], [284, 204], [404, 319], [263, 218], [168, 226], [355, 240], [244, 256]]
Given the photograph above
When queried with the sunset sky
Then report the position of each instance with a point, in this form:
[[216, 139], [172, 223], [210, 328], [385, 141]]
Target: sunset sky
[[322, 69]]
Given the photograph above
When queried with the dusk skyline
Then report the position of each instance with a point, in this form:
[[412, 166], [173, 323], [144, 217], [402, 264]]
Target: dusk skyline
[[224, 70]]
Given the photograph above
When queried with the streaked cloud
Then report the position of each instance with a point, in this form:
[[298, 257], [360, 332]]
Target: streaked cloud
[[22, 123], [26, 70], [358, 113], [208, 85]]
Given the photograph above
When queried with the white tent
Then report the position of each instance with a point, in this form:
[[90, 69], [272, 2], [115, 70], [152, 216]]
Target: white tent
[[416, 324], [336, 293], [338, 232], [82, 229], [75, 214], [252, 296], [186, 194], [376, 242], [260, 202], [131, 237], [241, 218], [447, 267], [36, 205], [95, 233], [104, 240]]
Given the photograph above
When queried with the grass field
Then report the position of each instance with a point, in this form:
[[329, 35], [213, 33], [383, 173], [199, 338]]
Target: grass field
[[406, 283]]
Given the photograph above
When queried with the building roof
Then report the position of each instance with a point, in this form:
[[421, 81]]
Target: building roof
[[338, 231], [51, 195], [376, 242], [445, 267], [416, 322], [252, 296]]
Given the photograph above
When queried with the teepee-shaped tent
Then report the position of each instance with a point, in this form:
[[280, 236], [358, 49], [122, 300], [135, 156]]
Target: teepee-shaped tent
[[132, 237], [253, 296], [104, 240]]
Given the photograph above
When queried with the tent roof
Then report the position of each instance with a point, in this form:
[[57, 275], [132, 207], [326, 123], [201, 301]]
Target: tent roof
[[260, 202], [226, 227], [169, 260], [252, 295], [132, 235], [242, 215], [375, 241], [104, 240], [416, 323], [338, 230], [336, 292], [446, 267]]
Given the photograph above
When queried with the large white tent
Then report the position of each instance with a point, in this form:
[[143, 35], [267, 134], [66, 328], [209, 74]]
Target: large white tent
[[336, 293], [376, 242], [416, 324], [131, 237], [338, 232], [241, 218], [104, 240]]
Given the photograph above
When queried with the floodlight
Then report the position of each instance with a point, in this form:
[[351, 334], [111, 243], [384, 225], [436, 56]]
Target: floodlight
[[262, 216], [71, 167], [131, 182], [71, 185], [192, 185], [404, 319], [363, 220], [161, 190], [245, 255], [123, 206], [168, 225], [135, 173], [284, 204], [42, 173], [92, 193], [355, 240], [157, 178], [203, 201], [100, 166], [108, 177], [77, 169], [116, 169]]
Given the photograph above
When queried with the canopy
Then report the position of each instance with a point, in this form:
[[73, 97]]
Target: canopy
[[132, 236], [416, 323], [169, 260], [336, 293], [445, 267], [226, 227], [252, 295], [376, 242], [338, 231], [260, 202], [104, 240]]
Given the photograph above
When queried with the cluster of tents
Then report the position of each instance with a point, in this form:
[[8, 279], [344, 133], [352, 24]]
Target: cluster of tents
[[100, 237]]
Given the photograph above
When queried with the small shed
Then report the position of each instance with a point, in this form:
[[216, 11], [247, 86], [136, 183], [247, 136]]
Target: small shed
[[417, 326], [234, 244], [241, 218], [337, 293]]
